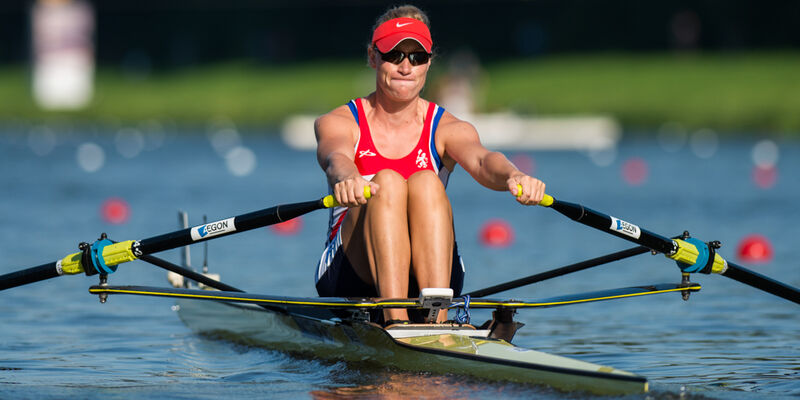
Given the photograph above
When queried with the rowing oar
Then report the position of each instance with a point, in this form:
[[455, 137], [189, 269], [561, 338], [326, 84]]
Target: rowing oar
[[579, 266], [692, 255], [103, 256]]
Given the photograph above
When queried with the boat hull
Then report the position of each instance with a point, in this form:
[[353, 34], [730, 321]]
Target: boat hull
[[318, 333]]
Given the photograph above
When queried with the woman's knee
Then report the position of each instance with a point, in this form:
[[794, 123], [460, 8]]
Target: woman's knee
[[388, 176], [391, 182], [425, 184]]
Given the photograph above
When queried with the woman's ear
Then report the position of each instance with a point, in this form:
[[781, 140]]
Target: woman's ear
[[371, 57]]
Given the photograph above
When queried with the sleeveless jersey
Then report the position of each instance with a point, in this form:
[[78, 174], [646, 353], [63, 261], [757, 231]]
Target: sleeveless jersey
[[422, 157], [369, 161]]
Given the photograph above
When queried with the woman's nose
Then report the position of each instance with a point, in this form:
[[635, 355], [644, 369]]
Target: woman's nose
[[405, 66]]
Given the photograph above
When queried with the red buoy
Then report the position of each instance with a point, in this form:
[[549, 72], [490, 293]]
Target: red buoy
[[765, 177], [635, 171], [290, 227], [755, 249], [115, 211], [497, 233]]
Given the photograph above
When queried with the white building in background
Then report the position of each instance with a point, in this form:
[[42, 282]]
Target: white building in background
[[63, 53]]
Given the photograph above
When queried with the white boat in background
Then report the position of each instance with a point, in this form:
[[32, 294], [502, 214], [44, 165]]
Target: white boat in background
[[502, 131]]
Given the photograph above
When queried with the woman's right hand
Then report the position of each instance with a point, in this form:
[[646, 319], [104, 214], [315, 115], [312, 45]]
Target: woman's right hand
[[349, 192]]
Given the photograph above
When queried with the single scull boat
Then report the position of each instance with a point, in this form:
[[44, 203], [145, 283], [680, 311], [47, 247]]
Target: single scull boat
[[340, 329]]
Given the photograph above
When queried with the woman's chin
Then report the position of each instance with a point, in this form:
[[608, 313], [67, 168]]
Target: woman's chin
[[404, 93]]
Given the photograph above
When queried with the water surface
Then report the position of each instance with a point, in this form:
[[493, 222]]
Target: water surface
[[729, 341]]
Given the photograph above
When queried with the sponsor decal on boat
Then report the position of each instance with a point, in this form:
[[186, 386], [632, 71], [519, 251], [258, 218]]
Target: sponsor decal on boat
[[625, 228], [213, 229]]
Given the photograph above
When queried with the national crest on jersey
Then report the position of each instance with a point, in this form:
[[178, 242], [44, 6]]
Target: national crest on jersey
[[422, 159]]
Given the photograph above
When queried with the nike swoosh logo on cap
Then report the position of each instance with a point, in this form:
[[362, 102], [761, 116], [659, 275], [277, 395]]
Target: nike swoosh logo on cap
[[399, 25]]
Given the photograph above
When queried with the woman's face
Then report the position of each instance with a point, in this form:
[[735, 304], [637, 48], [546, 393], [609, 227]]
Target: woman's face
[[401, 82]]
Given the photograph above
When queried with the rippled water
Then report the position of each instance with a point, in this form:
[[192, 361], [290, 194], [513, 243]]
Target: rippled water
[[729, 341]]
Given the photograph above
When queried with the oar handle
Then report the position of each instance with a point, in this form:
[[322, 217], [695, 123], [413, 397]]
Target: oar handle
[[330, 201], [547, 200]]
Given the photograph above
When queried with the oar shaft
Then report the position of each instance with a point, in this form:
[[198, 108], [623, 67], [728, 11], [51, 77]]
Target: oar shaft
[[216, 229], [103, 256], [239, 223], [30, 275], [580, 266], [765, 283], [615, 226], [117, 253], [682, 251], [197, 277]]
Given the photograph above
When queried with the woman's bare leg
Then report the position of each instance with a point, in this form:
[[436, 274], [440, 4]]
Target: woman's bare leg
[[430, 223], [376, 239]]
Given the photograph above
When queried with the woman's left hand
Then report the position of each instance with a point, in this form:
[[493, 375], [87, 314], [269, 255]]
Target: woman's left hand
[[532, 189]]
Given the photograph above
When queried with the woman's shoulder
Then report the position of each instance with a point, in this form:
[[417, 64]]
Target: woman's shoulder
[[337, 121], [449, 123], [339, 114]]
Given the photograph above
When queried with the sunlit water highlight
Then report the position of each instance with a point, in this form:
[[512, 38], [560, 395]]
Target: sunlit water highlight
[[729, 341]]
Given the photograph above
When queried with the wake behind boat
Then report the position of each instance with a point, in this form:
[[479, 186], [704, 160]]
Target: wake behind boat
[[341, 328]]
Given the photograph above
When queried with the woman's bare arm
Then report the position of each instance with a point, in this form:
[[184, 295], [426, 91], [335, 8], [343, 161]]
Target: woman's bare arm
[[336, 134], [492, 169]]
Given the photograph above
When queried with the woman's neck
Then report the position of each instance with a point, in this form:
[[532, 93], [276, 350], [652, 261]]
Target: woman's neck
[[395, 112]]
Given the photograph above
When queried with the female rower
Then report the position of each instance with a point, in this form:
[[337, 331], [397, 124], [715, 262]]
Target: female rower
[[404, 148]]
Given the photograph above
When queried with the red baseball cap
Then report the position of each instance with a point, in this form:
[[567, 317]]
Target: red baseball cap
[[394, 31]]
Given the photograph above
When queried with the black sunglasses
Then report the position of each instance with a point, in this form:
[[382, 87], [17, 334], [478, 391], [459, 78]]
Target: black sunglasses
[[397, 56]]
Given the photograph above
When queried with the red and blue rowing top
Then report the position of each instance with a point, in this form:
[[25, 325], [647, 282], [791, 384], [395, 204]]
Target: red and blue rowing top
[[369, 161]]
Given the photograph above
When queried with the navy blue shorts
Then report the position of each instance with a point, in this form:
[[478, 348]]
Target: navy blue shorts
[[341, 280]]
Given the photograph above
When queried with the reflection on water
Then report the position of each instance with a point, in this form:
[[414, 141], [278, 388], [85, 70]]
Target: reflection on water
[[729, 341], [396, 386], [387, 384]]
